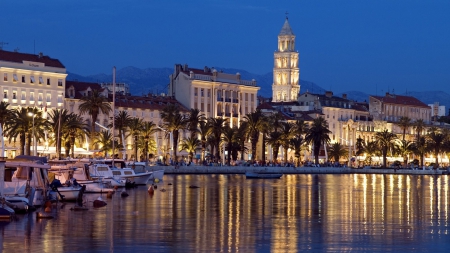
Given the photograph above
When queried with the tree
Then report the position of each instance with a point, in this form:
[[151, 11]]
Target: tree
[[135, 127], [337, 150], [228, 136], [371, 149], [76, 129], [255, 123], [436, 143], [94, 104], [173, 123], [318, 135], [5, 113], [274, 140], [419, 126], [384, 140], [148, 130], [296, 144], [21, 125], [193, 120], [420, 148], [241, 138], [204, 130], [190, 144], [286, 135], [217, 125], [404, 148], [121, 122], [404, 123], [58, 120], [104, 139]]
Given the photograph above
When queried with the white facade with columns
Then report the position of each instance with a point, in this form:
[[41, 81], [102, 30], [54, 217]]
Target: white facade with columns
[[286, 71], [214, 93]]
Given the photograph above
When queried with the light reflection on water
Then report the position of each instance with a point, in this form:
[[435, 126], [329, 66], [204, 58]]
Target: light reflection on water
[[229, 214]]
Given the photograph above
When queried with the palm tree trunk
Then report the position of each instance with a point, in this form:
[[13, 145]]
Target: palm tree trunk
[[28, 145], [175, 144], [229, 154], [22, 144], [263, 155], [285, 148], [316, 153]]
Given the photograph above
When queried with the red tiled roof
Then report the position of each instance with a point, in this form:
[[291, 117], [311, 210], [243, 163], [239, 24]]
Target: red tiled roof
[[400, 100], [81, 86], [265, 106], [152, 103], [20, 57]]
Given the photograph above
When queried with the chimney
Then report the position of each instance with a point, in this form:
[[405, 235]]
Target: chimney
[[41, 55], [185, 68], [387, 94], [191, 74], [205, 69], [344, 96], [238, 76], [328, 94]]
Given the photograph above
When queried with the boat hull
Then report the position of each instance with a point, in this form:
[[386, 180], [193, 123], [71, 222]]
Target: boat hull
[[253, 175]]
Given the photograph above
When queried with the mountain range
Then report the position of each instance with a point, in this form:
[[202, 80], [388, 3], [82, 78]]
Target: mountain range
[[156, 81]]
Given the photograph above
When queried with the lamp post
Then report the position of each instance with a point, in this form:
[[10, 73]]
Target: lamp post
[[34, 135]]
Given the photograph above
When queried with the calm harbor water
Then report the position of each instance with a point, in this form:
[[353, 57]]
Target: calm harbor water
[[228, 213]]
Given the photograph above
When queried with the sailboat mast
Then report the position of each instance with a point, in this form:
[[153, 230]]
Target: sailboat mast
[[114, 112]]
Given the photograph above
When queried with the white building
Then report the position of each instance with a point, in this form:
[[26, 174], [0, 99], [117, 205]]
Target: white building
[[286, 72], [214, 93], [437, 110], [29, 80]]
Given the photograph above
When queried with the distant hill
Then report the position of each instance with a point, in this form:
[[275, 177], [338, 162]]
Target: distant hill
[[156, 80]]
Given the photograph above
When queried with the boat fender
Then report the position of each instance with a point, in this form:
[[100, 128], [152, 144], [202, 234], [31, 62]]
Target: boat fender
[[124, 194], [150, 189]]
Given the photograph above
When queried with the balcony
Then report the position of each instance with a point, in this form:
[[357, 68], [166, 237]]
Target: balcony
[[227, 99], [235, 100], [219, 99]]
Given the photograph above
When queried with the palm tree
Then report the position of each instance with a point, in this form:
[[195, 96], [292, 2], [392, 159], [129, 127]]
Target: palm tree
[[420, 148], [436, 143], [404, 148], [173, 123], [58, 120], [94, 104], [229, 136], [76, 129], [135, 126], [359, 147], [419, 126], [274, 139], [104, 139], [384, 140], [404, 123], [286, 135], [5, 114], [121, 123], [20, 125], [204, 130], [318, 135], [337, 150], [217, 125], [255, 123], [296, 144], [193, 119], [241, 138], [190, 145], [148, 130], [300, 127], [371, 149]]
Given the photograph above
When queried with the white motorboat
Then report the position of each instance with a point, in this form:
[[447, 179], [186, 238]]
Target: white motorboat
[[140, 167], [19, 194], [101, 171], [120, 170], [80, 172]]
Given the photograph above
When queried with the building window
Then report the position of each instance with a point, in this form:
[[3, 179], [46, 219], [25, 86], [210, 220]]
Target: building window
[[31, 79], [15, 78], [14, 95], [60, 82], [5, 94], [208, 108], [5, 77], [202, 92], [41, 80], [31, 96], [48, 81], [195, 91], [23, 79], [209, 93]]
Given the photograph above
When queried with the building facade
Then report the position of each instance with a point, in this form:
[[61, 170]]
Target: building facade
[[29, 80], [286, 72], [214, 93]]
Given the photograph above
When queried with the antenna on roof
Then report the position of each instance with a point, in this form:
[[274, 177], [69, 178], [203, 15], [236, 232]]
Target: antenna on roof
[[2, 43], [287, 13]]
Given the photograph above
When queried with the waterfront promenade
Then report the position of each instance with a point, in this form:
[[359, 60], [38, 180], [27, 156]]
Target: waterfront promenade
[[196, 169]]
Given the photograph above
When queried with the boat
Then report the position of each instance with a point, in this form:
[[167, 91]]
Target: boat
[[255, 175], [119, 170], [140, 167], [102, 172], [64, 171], [6, 212]]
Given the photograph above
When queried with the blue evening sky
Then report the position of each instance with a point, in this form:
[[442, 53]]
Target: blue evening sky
[[344, 45]]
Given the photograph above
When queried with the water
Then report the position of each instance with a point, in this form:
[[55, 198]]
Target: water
[[228, 213]]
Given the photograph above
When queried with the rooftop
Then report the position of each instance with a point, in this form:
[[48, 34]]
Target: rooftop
[[20, 57]]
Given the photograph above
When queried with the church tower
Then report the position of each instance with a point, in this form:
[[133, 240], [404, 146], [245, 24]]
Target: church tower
[[286, 72]]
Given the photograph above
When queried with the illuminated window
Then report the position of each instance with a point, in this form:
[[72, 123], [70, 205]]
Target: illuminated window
[[5, 94], [5, 77], [41, 80], [14, 95], [15, 78]]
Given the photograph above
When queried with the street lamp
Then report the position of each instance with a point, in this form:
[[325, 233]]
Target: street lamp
[[34, 135]]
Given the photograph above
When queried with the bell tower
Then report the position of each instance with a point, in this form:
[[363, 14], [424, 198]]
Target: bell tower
[[286, 72]]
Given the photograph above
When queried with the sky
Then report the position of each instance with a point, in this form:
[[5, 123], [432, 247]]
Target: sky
[[363, 45]]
